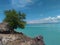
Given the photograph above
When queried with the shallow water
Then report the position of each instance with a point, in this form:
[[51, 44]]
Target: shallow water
[[50, 32]]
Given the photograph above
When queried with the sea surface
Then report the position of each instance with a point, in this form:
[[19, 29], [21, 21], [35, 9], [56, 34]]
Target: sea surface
[[50, 32]]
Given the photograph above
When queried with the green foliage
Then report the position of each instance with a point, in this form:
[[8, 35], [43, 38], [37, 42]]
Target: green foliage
[[15, 19]]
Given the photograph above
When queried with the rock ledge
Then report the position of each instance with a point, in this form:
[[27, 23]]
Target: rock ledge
[[19, 39]]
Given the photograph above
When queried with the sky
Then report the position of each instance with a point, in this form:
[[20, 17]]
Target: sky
[[37, 11]]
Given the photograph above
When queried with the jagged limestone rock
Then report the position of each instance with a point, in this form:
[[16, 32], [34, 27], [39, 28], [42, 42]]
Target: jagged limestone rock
[[4, 26], [18, 39]]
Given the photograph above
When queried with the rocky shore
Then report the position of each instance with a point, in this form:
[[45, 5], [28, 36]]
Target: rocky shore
[[19, 39], [9, 37]]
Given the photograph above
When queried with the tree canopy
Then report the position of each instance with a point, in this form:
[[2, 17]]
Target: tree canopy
[[15, 19]]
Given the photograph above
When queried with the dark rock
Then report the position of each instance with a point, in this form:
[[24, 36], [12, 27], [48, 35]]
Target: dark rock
[[39, 40]]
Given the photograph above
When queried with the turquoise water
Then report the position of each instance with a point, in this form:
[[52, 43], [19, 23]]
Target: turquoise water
[[50, 32]]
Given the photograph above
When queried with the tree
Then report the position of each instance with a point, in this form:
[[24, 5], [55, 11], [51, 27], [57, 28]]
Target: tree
[[15, 19]]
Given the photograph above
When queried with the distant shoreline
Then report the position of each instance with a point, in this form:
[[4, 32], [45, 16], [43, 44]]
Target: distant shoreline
[[44, 23]]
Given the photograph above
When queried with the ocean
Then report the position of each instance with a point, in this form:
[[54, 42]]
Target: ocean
[[50, 32]]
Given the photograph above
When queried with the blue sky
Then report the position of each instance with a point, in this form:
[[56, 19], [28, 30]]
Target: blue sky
[[37, 11]]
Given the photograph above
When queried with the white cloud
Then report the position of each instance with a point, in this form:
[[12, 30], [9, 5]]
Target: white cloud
[[46, 20], [21, 3], [58, 17]]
